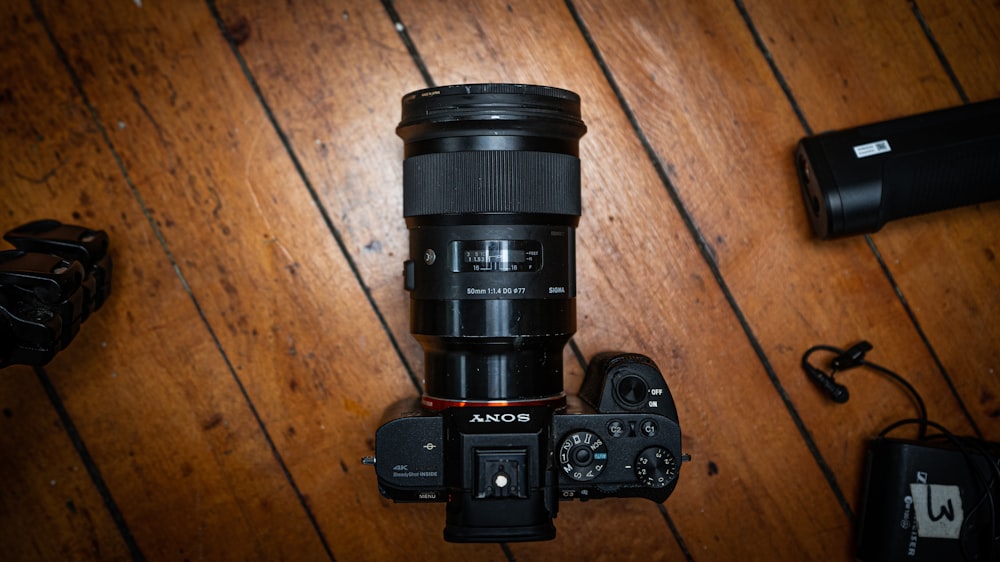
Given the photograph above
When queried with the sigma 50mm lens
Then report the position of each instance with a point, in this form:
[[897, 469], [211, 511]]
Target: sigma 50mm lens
[[491, 197]]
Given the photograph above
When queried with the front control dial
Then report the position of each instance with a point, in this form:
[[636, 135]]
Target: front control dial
[[655, 467], [583, 456]]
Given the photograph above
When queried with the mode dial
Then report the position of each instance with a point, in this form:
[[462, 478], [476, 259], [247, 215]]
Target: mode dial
[[656, 467], [583, 456]]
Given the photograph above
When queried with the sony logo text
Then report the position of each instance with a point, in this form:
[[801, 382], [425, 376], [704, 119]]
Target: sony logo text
[[500, 418]]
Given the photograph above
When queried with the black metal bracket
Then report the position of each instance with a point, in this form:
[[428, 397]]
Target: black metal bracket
[[56, 276]]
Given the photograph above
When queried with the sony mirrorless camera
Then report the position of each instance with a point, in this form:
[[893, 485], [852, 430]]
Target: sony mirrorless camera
[[491, 189]]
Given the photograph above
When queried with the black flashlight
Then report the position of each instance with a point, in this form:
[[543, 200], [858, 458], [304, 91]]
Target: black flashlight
[[856, 180]]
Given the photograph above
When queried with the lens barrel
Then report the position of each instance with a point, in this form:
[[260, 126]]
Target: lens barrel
[[491, 197]]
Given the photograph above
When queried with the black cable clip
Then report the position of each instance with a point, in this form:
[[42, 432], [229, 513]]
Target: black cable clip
[[853, 357]]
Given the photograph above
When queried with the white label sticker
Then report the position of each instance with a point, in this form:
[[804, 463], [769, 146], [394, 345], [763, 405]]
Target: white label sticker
[[872, 148], [938, 510]]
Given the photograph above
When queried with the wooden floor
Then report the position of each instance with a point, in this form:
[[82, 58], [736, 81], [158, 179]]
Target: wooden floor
[[242, 158]]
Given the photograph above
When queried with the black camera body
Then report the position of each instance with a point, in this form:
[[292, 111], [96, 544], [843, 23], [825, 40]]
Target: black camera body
[[504, 469], [491, 198]]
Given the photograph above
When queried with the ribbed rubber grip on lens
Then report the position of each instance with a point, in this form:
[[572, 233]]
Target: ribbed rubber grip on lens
[[491, 182]]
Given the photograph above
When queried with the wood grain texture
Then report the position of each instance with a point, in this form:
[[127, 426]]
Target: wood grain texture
[[757, 230], [968, 34], [46, 483], [165, 421], [242, 157]]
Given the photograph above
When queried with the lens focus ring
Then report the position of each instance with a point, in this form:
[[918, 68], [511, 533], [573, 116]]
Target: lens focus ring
[[491, 182]]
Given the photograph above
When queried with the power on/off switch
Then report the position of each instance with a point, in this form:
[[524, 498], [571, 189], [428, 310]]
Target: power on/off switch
[[631, 390]]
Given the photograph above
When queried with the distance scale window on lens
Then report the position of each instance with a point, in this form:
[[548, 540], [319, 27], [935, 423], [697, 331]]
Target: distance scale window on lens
[[494, 256]]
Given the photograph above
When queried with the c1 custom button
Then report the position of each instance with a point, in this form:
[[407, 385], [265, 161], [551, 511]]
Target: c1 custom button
[[648, 428]]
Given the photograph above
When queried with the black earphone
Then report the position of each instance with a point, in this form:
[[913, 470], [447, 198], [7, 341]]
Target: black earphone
[[851, 358], [836, 391]]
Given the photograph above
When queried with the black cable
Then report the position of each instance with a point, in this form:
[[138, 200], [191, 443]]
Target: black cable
[[854, 357], [913, 391]]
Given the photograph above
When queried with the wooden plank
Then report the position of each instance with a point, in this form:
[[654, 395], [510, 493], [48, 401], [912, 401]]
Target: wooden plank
[[49, 508], [869, 62], [300, 332], [968, 33], [315, 65], [283, 302], [645, 286], [155, 404]]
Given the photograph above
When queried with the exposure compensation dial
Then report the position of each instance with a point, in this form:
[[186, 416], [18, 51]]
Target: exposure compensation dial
[[655, 467]]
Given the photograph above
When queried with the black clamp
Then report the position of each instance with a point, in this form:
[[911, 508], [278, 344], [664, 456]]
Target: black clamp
[[54, 279]]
